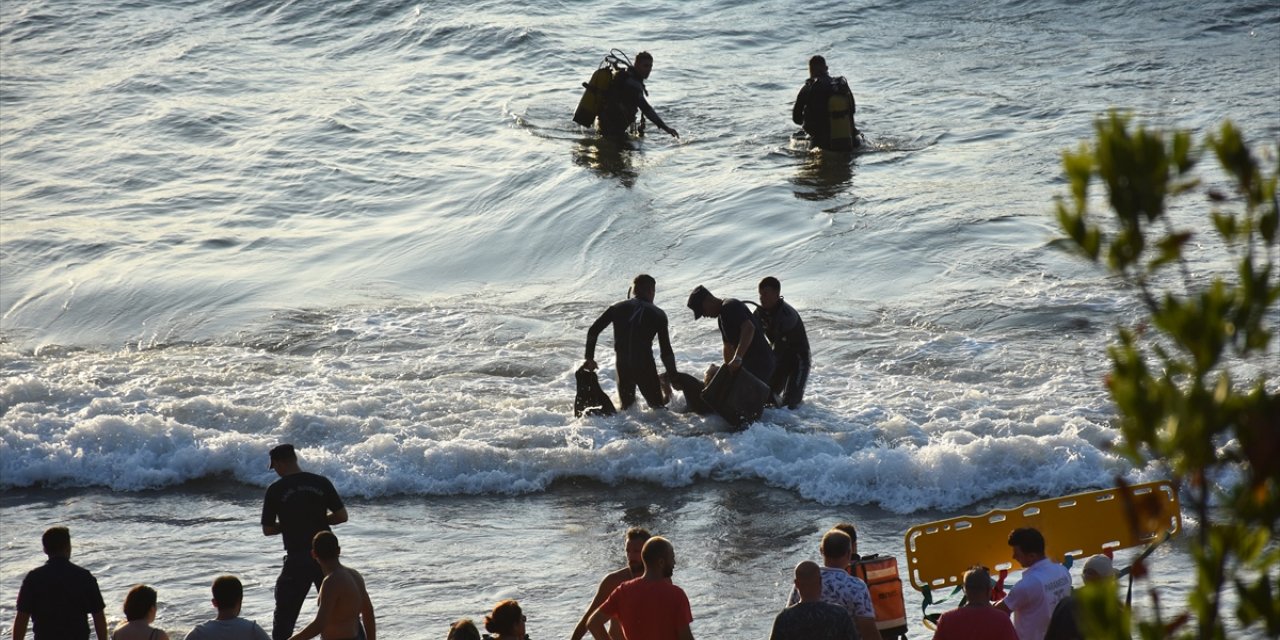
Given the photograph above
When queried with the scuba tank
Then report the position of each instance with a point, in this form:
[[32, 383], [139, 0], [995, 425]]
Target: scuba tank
[[881, 575], [840, 110], [597, 88]]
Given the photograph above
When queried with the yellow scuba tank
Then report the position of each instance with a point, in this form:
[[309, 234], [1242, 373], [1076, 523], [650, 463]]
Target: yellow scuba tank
[[838, 108], [593, 96]]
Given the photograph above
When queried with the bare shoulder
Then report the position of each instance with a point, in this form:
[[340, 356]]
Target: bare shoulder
[[612, 580]]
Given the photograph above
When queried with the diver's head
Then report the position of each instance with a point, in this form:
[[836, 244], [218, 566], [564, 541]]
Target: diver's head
[[817, 66], [770, 293], [644, 287], [644, 64]]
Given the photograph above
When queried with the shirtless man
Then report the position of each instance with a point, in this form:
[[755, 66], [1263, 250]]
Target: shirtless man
[[636, 537], [343, 601]]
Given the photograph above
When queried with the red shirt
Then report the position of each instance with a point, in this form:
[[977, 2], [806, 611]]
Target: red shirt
[[649, 609], [975, 623]]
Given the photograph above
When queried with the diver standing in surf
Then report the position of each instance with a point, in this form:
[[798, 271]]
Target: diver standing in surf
[[636, 322], [626, 95]]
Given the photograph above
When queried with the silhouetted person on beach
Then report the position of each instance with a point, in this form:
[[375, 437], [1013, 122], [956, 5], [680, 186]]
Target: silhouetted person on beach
[[811, 618], [977, 619], [785, 331], [57, 596], [297, 507], [139, 613], [343, 605], [228, 594], [825, 108], [1042, 584], [840, 588], [506, 622], [635, 539], [649, 607], [636, 322], [626, 95]]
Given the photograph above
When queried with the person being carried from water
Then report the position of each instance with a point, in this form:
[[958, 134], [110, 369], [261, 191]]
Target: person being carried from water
[[626, 95], [636, 321], [785, 331], [825, 108]]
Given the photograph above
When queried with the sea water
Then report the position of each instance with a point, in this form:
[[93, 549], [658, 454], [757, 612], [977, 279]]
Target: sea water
[[371, 229]]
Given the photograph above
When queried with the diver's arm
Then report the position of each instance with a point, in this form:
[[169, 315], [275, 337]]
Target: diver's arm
[[746, 333], [797, 111], [593, 334], [653, 115], [664, 349]]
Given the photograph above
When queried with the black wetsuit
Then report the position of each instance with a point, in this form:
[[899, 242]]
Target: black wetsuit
[[299, 505], [811, 111], [759, 358], [635, 323], [785, 331], [626, 95]]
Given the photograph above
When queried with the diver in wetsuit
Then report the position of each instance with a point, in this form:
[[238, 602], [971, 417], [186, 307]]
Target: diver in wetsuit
[[626, 95], [785, 331], [825, 108], [635, 323]]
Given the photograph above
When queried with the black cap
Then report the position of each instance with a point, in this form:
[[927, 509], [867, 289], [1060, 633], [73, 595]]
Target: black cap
[[282, 453], [699, 294]]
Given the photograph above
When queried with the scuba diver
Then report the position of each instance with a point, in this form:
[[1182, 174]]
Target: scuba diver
[[614, 94], [825, 109], [636, 322]]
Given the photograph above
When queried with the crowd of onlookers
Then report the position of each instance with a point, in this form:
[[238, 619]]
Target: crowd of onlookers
[[639, 601]]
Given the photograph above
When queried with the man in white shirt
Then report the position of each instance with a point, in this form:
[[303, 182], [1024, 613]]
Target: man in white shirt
[[228, 593], [1043, 583], [840, 588]]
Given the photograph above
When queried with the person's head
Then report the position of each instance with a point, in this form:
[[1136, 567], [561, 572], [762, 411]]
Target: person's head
[[1028, 545], [702, 303], [817, 66], [636, 537], [836, 548], [464, 629], [284, 460], [659, 558], [644, 287], [770, 293], [1098, 568], [809, 581], [57, 542], [852, 532], [644, 64], [228, 593], [977, 585], [324, 546], [506, 620], [140, 604]]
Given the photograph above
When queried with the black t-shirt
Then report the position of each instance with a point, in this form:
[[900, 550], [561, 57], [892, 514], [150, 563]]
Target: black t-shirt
[[58, 596], [759, 358], [813, 621], [301, 502]]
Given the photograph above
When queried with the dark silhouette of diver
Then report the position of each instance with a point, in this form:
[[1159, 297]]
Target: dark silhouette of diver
[[825, 108], [626, 95], [636, 321]]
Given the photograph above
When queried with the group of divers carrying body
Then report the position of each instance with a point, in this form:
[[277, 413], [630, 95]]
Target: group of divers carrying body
[[616, 92], [766, 355]]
